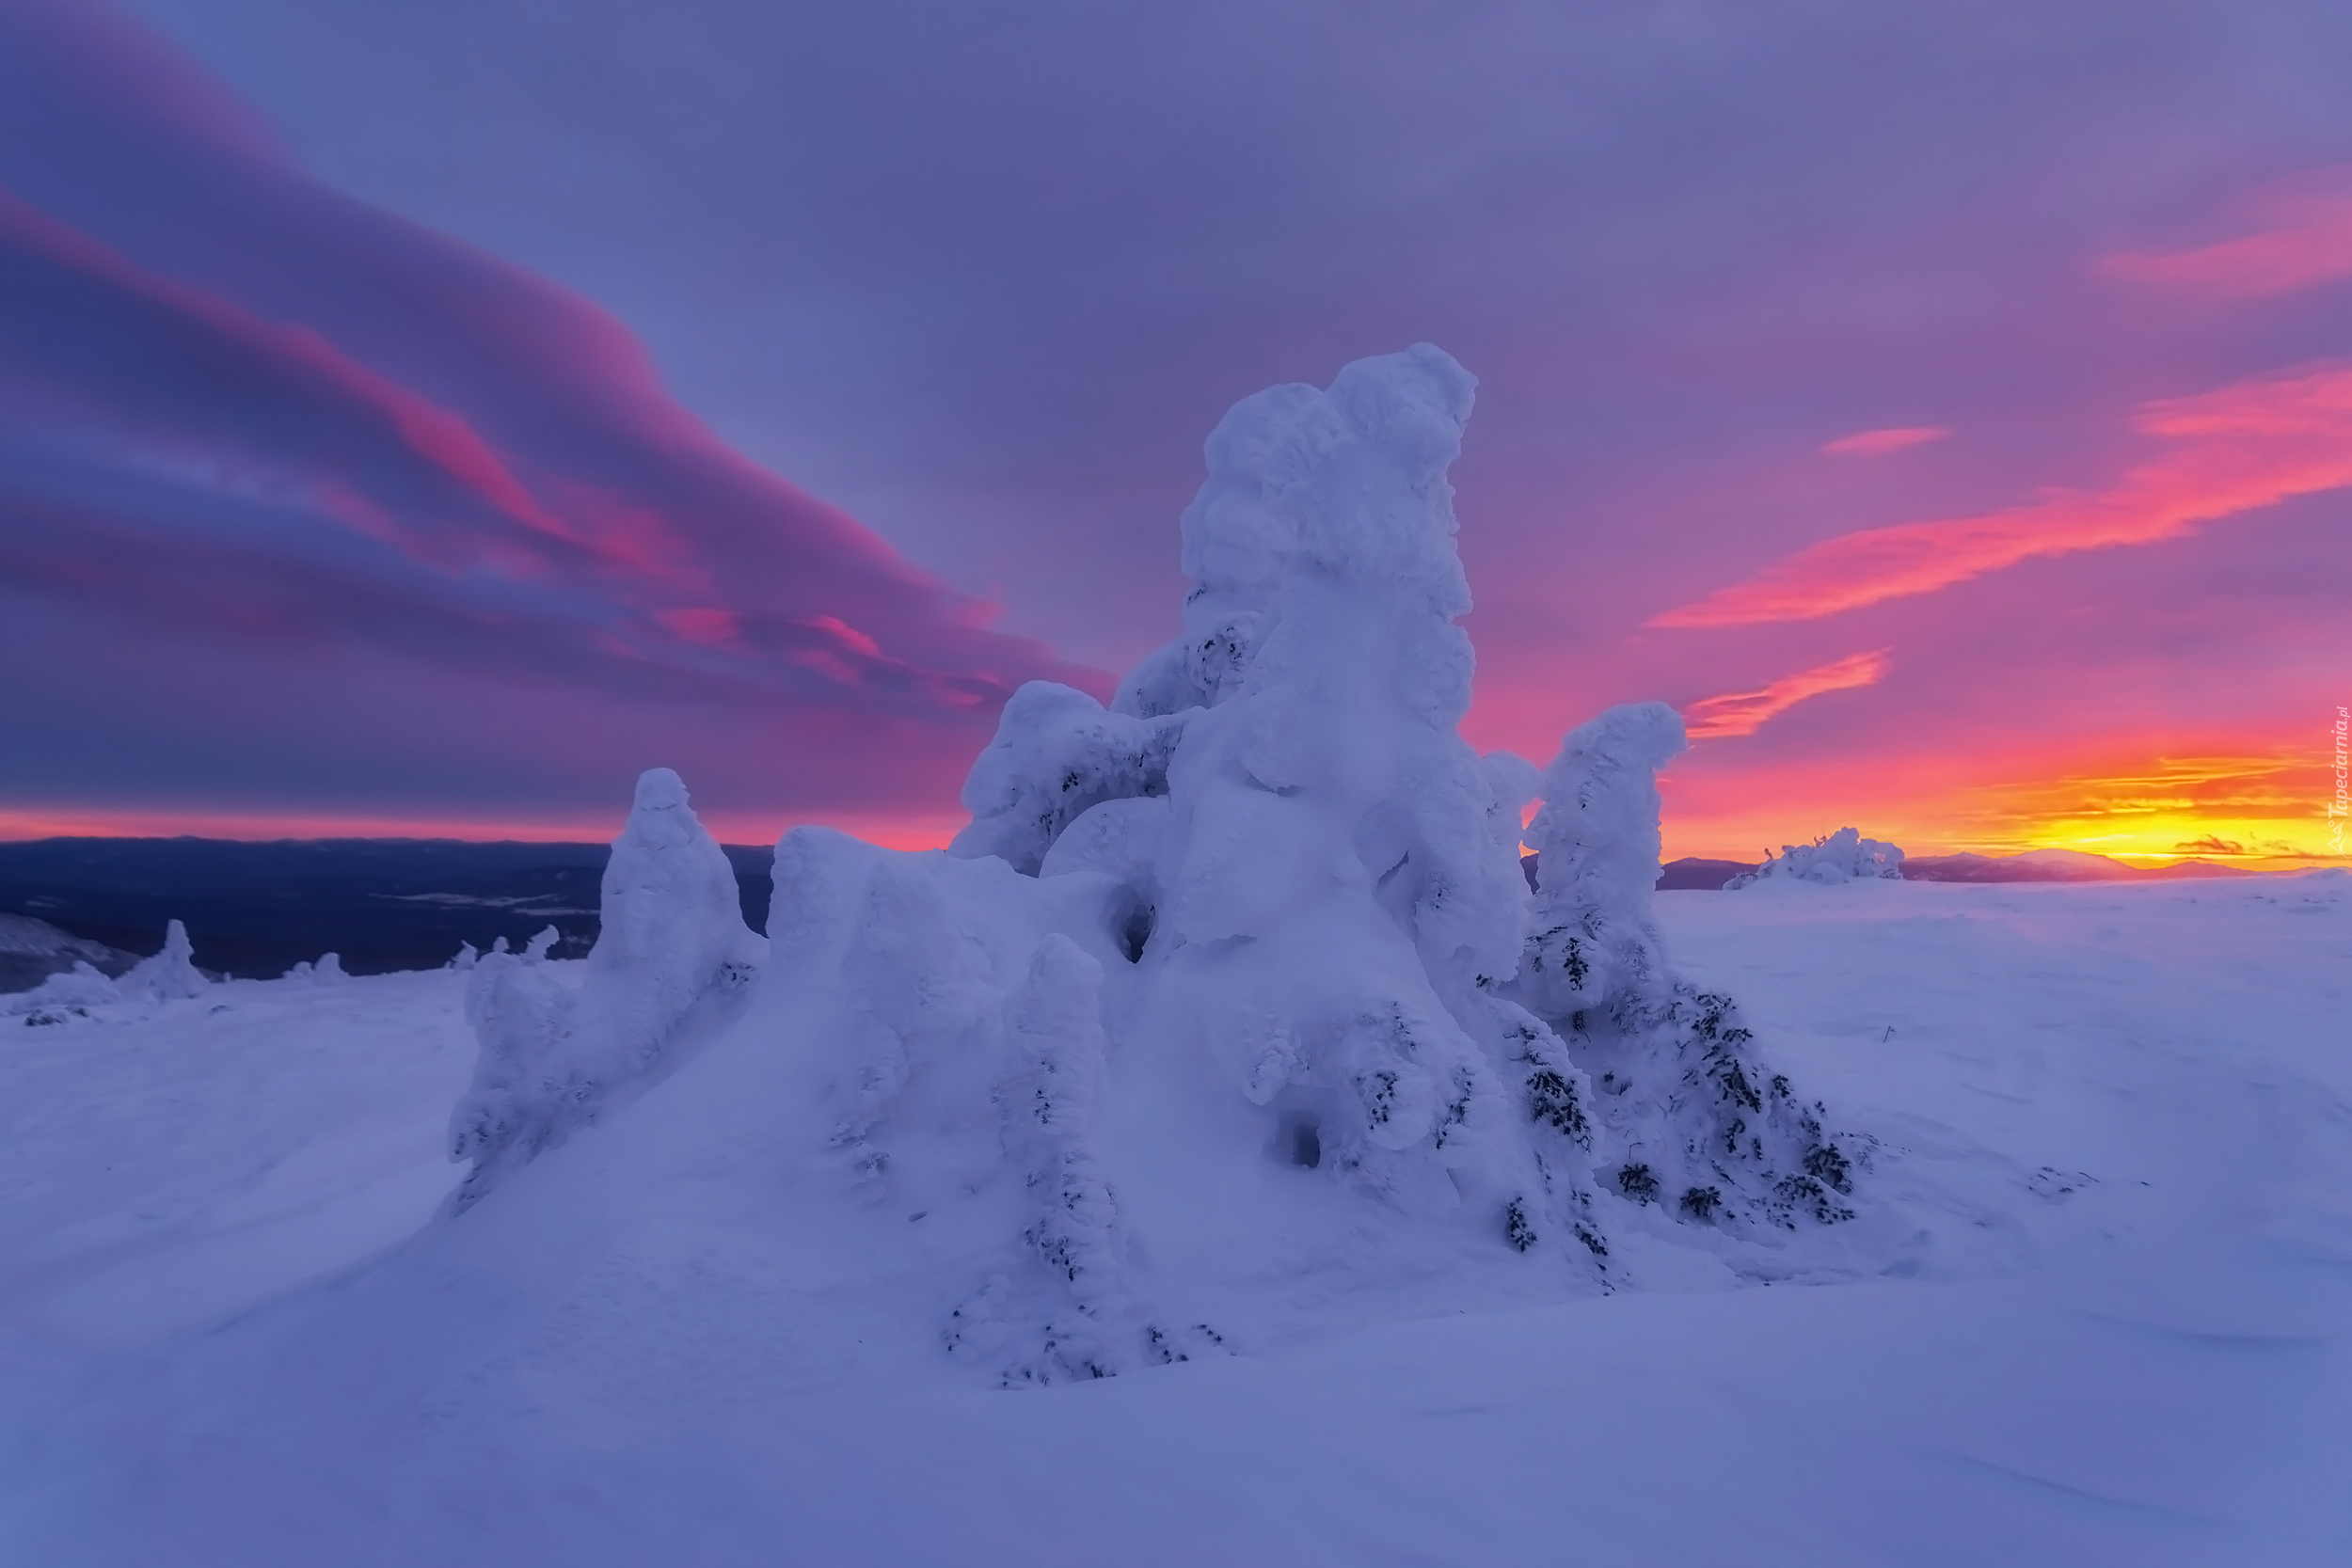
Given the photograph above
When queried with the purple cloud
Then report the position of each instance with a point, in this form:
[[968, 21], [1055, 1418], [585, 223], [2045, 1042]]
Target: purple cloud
[[256, 429]]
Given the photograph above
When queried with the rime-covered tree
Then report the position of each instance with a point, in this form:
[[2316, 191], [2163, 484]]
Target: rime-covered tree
[[672, 957], [1691, 1119]]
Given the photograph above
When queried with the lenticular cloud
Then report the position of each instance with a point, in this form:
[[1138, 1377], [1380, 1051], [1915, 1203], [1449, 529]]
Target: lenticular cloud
[[1231, 1002]]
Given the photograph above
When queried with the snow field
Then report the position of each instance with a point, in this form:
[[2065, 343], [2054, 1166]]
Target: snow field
[[2084, 1371]]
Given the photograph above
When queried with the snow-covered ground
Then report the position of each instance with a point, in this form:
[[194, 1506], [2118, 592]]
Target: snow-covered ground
[[2115, 1130]]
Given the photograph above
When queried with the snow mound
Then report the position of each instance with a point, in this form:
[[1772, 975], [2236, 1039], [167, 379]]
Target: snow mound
[[327, 971], [672, 960], [62, 995], [1844, 856]]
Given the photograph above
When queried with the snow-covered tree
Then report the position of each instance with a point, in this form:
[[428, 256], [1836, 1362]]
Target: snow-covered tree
[[1689, 1116], [672, 960], [169, 976], [1329, 892]]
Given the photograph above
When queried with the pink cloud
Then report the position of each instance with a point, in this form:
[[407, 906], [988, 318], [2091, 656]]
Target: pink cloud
[[2239, 448], [299, 356], [1745, 712], [2304, 239], [1877, 443], [702, 626]]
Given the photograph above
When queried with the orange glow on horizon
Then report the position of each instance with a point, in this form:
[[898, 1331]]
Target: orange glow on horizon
[[2261, 811]]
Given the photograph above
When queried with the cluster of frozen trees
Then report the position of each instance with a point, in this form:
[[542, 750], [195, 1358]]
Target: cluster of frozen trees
[[1844, 856], [1263, 911]]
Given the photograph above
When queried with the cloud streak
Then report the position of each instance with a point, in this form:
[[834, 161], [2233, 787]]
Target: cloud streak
[[2236, 449], [1877, 443], [1746, 712], [2305, 240]]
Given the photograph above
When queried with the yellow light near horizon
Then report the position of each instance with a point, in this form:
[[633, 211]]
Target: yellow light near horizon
[[2255, 812]]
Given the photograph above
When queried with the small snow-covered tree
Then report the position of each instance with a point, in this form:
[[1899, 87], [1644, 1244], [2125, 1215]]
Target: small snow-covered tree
[[169, 975], [1689, 1116], [1084, 1321], [672, 952]]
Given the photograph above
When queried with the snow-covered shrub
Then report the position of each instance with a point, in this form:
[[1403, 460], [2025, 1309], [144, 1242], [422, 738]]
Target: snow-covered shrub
[[328, 971], [672, 960], [1596, 836], [1689, 1119], [64, 996], [1050, 1098], [1844, 856]]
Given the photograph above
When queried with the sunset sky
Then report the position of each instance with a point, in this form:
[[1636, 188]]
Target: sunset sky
[[419, 416]]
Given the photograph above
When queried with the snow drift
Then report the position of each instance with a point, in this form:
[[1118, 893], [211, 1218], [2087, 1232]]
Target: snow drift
[[1232, 997]]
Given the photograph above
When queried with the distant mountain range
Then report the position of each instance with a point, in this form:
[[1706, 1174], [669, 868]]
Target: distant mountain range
[[254, 911]]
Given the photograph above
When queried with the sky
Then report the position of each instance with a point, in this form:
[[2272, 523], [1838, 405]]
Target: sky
[[420, 417]]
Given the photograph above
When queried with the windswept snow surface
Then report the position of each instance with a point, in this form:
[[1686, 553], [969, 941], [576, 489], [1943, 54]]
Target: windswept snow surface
[[2118, 1118]]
